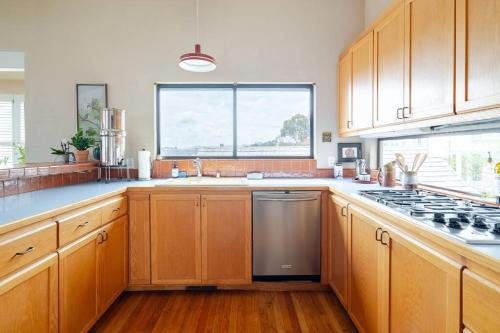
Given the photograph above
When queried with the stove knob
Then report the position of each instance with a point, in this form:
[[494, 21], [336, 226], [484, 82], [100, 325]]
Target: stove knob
[[462, 215], [439, 218], [496, 229], [479, 222], [453, 223]]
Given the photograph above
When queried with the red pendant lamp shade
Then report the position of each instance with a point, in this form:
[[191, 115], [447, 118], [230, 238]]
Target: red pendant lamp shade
[[197, 61]]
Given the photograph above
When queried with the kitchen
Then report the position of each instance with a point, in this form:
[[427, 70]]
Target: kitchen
[[215, 165]]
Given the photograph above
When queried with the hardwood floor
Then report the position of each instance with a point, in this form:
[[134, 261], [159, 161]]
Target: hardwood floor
[[225, 311]]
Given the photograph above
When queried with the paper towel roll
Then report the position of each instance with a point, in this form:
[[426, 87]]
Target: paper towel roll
[[144, 161]]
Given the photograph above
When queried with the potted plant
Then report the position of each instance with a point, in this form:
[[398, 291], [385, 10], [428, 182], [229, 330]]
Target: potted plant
[[82, 142], [64, 151]]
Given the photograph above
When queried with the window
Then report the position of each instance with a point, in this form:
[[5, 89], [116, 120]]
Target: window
[[11, 128], [455, 161], [235, 120]]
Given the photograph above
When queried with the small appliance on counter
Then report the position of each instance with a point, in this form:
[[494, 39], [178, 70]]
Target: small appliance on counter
[[113, 136], [338, 171], [361, 175]]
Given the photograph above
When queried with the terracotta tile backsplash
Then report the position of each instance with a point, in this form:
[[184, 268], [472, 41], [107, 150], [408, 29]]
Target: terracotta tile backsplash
[[33, 177], [239, 168]]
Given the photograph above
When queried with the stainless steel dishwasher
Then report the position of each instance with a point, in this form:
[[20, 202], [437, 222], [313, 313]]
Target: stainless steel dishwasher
[[286, 235]]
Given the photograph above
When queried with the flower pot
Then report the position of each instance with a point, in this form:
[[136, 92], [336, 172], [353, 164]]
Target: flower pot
[[81, 155]]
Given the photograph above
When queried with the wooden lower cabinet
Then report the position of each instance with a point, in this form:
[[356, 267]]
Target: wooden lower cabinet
[[226, 239], [78, 281], [92, 273], [481, 303], [139, 239], [338, 240], [424, 288], [396, 283], [113, 262], [366, 273], [28, 298], [175, 239]]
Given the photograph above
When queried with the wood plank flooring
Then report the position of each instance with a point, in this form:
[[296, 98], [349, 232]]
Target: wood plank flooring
[[225, 311]]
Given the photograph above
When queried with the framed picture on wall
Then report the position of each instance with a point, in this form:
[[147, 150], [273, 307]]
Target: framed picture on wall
[[90, 100], [348, 152]]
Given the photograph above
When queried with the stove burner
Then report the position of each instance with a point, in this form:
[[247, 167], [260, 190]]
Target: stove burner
[[468, 221]]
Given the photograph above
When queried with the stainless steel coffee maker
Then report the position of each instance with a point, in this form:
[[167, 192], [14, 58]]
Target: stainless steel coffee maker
[[113, 136]]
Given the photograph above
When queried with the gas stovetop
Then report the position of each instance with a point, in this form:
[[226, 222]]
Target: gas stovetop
[[467, 221]]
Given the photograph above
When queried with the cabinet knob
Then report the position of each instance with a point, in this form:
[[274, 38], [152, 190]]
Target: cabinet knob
[[382, 238], [405, 114], [344, 211], [28, 250], [399, 113]]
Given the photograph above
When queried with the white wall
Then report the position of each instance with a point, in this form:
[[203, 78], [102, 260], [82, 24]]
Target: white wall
[[131, 44], [373, 8]]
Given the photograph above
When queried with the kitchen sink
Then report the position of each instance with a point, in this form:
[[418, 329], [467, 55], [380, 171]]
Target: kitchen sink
[[205, 181]]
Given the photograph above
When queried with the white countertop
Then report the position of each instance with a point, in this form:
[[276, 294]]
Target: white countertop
[[21, 206]]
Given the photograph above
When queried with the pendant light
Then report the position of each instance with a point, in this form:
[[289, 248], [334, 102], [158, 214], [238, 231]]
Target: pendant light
[[197, 61]]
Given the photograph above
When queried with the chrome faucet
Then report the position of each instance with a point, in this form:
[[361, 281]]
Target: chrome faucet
[[197, 165]]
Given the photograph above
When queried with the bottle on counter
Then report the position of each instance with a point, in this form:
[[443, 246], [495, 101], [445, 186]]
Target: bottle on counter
[[175, 171]]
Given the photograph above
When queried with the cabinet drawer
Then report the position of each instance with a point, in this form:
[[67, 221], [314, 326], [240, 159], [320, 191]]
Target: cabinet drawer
[[78, 223], [23, 246], [113, 208], [481, 301]]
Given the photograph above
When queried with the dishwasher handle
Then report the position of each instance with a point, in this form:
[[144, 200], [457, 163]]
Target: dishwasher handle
[[286, 200]]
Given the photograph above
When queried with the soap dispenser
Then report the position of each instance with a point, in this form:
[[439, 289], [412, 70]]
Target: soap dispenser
[[175, 171]]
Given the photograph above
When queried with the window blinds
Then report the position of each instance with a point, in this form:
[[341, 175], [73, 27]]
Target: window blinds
[[11, 127]]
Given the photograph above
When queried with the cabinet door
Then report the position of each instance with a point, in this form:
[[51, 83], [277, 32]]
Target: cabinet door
[[140, 241], [112, 261], [368, 273], [478, 49], [175, 239], [389, 68], [362, 83], [481, 301], [424, 288], [430, 50], [338, 245], [28, 298], [78, 283], [226, 239], [344, 93]]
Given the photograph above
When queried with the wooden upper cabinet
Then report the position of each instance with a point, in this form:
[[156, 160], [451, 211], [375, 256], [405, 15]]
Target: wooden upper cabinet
[[139, 238], [338, 247], [481, 301], [367, 274], [226, 239], [424, 288], [429, 52], [477, 56], [362, 83], [78, 283], [344, 93], [112, 261], [28, 298], [389, 68], [175, 239]]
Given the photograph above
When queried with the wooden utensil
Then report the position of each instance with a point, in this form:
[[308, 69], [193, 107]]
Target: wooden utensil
[[401, 162], [419, 160]]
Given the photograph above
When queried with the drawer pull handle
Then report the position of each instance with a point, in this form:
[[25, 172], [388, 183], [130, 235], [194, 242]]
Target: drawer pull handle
[[100, 238], [344, 211], [83, 224], [382, 238], [28, 250], [116, 210], [105, 236], [378, 237]]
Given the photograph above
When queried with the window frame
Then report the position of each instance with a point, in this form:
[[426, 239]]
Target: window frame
[[235, 86]]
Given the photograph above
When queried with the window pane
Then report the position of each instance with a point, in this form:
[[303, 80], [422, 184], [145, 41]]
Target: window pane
[[273, 121], [458, 162], [196, 122]]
